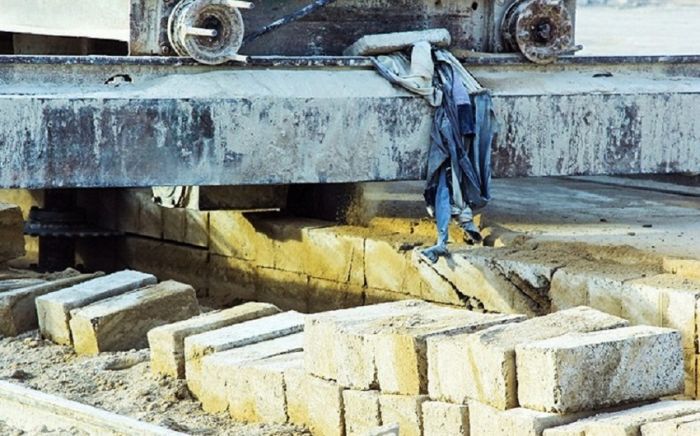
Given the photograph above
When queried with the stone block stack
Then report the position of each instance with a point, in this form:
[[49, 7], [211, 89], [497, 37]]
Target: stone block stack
[[431, 370]]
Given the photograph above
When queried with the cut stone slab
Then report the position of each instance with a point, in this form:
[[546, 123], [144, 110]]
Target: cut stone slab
[[688, 425], [167, 343], [626, 422], [234, 336], [385, 430], [481, 366], [256, 389], [315, 403], [404, 410], [384, 345], [18, 309], [361, 412], [441, 419], [11, 232], [485, 420], [587, 371], [53, 310], [390, 42], [122, 322], [8, 285], [218, 371]]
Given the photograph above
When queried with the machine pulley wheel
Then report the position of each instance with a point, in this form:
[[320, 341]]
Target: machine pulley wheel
[[540, 29], [209, 31]]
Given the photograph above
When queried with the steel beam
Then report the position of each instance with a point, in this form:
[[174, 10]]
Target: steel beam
[[118, 122]]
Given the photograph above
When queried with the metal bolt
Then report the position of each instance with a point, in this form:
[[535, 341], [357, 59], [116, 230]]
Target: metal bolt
[[164, 49]]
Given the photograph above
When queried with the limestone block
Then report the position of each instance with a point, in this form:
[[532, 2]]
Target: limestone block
[[256, 389], [400, 343], [167, 342], [11, 232], [327, 295], [690, 368], [385, 430], [322, 349], [122, 322], [361, 412], [231, 279], [404, 410], [217, 377], [17, 307], [485, 420], [234, 336], [585, 371], [186, 226], [53, 310], [168, 261], [389, 267], [285, 289], [481, 366], [688, 425], [626, 422], [315, 403], [600, 286], [441, 419], [684, 267], [233, 234]]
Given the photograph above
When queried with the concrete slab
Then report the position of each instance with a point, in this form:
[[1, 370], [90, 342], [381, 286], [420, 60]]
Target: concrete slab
[[213, 384], [53, 310], [167, 343], [122, 322], [626, 422], [481, 366], [238, 335], [587, 371], [18, 309]]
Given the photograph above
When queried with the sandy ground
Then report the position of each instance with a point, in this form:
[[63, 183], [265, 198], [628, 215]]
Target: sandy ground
[[118, 382], [647, 30]]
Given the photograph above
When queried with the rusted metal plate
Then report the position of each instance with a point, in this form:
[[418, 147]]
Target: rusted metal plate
[[99, 122]]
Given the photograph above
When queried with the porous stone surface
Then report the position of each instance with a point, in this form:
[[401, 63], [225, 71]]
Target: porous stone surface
[[217, 376], [256, 389], [385, 345], [445, 419], [626, 422], [481, 366], [53, 310], [17, 307], [11, 232], [315, 403], [234, 336], [485, 420], [586, 371], [122, 322], [688, 425], [391, 42], [167, 342], [361, 412], [404, 410]]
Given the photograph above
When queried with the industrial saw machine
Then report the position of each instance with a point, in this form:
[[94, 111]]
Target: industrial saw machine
[[234, 93]]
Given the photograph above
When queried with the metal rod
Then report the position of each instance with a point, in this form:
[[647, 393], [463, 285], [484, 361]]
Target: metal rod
[[199, 31], [301, 13]]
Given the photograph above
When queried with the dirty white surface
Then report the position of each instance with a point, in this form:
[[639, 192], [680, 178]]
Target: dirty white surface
[[108, 19], [664, 29]]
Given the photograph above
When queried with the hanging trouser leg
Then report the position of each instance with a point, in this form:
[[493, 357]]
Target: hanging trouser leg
[[443, 214]]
